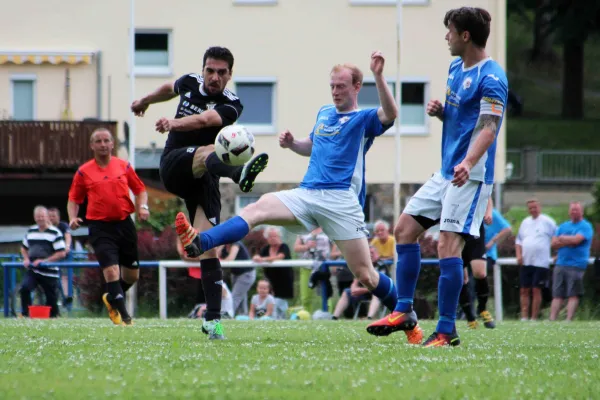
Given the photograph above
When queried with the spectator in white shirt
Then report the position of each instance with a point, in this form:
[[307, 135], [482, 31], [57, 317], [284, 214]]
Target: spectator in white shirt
[[533, 249]]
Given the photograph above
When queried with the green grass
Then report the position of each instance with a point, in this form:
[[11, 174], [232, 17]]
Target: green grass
[[90, 359]]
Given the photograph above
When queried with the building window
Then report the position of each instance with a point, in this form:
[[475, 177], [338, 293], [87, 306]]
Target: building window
[[153, 52], [23, 97], [243, 201], [414, 98], [258, 98], [388, 2]]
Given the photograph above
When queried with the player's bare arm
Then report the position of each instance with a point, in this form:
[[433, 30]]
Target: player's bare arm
[[388, 111], [301, 146], [73, 211], [190, 123], [163, 93], [141, 204], [487, 218], [435, 109], [486, 128]]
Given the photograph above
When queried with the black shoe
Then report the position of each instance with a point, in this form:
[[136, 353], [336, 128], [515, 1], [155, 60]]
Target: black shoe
[[442, 339], [251, 171]]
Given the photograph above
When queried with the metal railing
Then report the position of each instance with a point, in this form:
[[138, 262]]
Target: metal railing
[[553, 166], [568, 166], [163, 265]]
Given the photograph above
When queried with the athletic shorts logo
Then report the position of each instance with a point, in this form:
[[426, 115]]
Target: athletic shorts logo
[[190, 149], [451, 221]]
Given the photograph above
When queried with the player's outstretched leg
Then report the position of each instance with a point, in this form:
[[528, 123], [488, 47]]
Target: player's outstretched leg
[[244, 175]]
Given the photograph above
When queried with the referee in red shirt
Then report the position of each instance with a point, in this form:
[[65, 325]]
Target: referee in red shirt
[[106, 181]]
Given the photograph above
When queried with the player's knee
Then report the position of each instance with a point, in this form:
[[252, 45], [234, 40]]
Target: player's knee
[[256, 213], [479, 272], [450, 244], [407, 230], [525, 291]]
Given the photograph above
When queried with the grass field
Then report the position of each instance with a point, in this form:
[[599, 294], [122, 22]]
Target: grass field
[[91, 359]]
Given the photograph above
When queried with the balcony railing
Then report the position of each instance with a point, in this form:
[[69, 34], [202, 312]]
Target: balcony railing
[[51, 145], [534, 166]]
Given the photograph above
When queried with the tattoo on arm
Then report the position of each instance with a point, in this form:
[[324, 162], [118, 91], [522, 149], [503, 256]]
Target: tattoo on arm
[[487, 121]]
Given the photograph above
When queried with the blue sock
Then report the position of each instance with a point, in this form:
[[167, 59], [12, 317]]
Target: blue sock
[[449, 286], [386, 291], [407, 274], [229, 231]]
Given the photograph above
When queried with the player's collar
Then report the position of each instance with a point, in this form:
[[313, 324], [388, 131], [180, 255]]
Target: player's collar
[[479, 64], [202, 92], [347, 112]]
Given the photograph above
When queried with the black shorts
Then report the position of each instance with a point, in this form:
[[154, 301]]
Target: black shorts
[[534, 277], [474, 248], [115, 243], [176, 174]]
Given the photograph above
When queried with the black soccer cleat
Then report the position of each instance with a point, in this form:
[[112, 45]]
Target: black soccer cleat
[[251, 171]]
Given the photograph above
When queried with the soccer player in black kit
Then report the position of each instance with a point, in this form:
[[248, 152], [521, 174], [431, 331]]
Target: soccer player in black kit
[[190, 169]]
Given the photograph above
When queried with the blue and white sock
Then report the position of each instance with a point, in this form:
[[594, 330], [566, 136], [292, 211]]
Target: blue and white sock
[[449, 286], [229, 231], [386, 292], [407, 274]]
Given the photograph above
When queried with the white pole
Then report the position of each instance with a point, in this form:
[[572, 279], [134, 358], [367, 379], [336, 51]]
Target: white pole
[[498, 291], [162, 291], [398, 170], [132, 297]]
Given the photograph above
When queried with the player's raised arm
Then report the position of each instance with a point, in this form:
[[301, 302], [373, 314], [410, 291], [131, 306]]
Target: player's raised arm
[[302, 146], [164, 92], [388, 111], [190, 123]]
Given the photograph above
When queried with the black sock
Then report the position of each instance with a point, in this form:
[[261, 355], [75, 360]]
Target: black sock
[[465, 303], [483, 291], [117, 298], [212, 281], [215, 166], [125, 285]]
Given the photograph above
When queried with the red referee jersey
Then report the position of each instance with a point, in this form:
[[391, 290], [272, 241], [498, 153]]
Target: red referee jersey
[[107, 189]]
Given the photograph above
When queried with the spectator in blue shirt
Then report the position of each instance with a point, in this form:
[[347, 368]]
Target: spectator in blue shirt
[[573, 240]]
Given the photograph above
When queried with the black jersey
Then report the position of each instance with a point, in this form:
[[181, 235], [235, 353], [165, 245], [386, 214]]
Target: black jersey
[[194, 100]]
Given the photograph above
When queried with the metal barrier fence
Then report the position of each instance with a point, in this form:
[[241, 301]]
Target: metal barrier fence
[[165, 264]]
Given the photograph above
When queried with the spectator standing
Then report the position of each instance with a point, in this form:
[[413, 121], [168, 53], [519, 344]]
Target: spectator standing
[[573, 241], [314, 246], [533, 250], [42, 244]]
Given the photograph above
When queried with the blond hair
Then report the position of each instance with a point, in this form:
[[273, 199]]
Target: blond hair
[[357, 75], [101, 129]]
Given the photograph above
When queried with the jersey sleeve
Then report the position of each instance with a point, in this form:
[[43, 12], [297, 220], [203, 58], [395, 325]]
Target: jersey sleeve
[[373, 126], [180, 83], [78, 190], [133, 180], [494, 92], [229, 112], [586, 231], [59, 242]]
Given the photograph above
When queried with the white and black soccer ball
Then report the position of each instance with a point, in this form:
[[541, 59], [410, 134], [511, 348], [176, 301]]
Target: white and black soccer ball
[[234, 145]]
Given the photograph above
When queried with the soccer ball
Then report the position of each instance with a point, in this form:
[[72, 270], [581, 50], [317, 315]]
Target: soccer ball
[[234, 145]]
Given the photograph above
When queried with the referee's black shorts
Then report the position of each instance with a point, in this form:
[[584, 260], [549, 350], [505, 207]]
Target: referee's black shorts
[[474, 248], [115, 243], [176, 174]]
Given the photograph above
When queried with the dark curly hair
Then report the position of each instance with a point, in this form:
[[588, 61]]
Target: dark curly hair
[[218, 53], [476, 21]]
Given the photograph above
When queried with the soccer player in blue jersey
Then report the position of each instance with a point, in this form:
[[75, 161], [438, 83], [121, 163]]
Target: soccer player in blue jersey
[[333, 190], [455, 197]]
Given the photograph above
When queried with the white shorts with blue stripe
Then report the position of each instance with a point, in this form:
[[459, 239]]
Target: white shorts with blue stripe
[[338, 212], [457, 209]]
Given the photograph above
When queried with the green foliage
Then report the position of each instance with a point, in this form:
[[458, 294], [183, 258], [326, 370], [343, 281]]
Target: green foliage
[[516, 215], [552, 134], [592, 212], [159, 220]]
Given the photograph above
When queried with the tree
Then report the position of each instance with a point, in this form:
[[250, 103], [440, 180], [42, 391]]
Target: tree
[[574, 21]]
